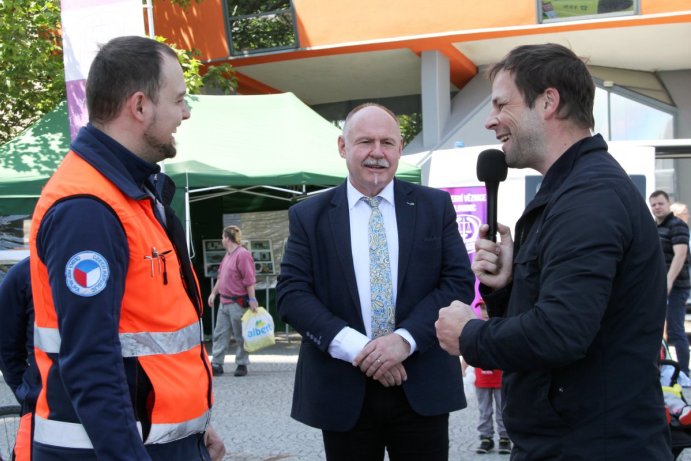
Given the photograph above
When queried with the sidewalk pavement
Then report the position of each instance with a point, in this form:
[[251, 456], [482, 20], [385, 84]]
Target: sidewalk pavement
[[252, 413]]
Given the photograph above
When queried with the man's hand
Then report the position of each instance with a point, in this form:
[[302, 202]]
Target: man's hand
[[254, 305], [492, 264], [452, 320], [382, 358], [212, 298], [394, 376], [214, 444]]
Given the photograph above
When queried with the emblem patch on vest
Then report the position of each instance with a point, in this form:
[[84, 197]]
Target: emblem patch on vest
[[87, 273]]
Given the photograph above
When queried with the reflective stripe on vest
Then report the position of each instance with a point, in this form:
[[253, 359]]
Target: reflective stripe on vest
[[133, 344], [73, 435]]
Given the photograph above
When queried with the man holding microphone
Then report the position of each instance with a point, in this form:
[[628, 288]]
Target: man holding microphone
[[577, 301]]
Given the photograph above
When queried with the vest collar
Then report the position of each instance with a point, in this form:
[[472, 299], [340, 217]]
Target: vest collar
[[124, 169]]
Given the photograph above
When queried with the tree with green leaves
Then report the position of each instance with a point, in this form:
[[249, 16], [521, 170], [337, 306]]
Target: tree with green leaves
[[260, 25], [411, 126], [32, 76], [32, 79], [219, 77]]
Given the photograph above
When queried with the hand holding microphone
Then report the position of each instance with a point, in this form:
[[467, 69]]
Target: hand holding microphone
[[492, 169], [492, 264]]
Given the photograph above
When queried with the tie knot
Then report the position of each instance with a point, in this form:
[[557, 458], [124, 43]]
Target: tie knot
[[372, 201]]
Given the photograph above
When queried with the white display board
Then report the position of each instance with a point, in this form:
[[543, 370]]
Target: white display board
[[261, 250]]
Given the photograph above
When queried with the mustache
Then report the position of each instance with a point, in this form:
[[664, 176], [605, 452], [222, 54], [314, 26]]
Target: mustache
[[380, 162]]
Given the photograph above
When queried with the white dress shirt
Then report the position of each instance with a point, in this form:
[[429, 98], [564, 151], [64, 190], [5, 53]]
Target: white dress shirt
[[348, 343]]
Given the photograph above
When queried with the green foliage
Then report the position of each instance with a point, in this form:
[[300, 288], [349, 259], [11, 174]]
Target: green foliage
[[268, 26], [183, 3], [32, 79], [32, 76], [220, 77], [411, 125], [245, 7], [190, 67]]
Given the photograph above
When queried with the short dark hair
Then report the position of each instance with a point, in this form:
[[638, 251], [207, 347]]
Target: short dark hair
[[122, 67], [659, 192], [538, 67]]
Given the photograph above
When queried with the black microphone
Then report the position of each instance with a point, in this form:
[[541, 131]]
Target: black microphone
[[492, 169]]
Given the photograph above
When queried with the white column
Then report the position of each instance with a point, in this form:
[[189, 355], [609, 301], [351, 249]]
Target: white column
[[436, 96]]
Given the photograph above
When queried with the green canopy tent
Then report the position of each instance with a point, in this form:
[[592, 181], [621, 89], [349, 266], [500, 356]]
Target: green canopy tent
[[270, 147], [235, 154], [27, 161], [264, 151]]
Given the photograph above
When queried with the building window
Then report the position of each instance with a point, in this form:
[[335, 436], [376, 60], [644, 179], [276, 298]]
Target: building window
[[258, 26], [560, 10], [628, 117]]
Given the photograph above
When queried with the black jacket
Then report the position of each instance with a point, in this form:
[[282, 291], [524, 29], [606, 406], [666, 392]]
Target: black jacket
[[580, 327]]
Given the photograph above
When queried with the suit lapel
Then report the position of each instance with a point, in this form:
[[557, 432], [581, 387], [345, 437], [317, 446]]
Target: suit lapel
[[339, 219], [406, 213]]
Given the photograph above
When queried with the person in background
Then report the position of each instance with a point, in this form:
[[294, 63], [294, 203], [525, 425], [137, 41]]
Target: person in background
[[488, 392], [236, 284], [365, 268], [17, 362], [674, 238], [577, 301], [117, 337], [680, 211]]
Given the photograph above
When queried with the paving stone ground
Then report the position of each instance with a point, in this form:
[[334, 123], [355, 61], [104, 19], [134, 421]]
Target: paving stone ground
[[252, 413]]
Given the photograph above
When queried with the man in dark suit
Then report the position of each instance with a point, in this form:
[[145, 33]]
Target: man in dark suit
[[370, 373]]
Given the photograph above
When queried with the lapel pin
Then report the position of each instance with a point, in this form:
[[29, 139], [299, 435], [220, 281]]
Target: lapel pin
[[411, 203]]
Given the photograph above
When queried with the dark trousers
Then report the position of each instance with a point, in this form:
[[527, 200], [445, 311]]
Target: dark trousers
[[388, 422], [676, 334]]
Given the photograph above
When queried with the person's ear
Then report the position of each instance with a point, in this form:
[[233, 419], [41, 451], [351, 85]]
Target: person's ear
[[137, 106], [550, 101], [341, 146]]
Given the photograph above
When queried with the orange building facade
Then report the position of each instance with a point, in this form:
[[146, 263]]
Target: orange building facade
[[428, 57]]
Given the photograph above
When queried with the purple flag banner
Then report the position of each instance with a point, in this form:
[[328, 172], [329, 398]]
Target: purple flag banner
[[86, 24], [470, 204]]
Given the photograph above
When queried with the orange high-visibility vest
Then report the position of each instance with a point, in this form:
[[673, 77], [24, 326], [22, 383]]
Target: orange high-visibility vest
[[159, 324]]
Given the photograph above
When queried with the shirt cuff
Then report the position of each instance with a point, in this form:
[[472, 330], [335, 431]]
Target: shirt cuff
[[405, 334], [347, 344]]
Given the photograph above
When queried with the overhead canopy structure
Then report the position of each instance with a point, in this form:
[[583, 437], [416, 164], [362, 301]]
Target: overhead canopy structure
[[27, 161], [269, 145], [272, 145]]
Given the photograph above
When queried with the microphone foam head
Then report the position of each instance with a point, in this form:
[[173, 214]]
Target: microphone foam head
[[491, 166]]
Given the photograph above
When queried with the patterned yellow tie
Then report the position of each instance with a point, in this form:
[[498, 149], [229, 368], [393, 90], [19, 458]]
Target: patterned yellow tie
[[383, 320]]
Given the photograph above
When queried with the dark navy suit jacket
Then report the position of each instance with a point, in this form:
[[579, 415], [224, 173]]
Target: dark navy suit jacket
[[317, 294]]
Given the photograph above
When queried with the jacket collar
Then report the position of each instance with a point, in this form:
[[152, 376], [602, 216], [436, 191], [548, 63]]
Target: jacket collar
[[561, 169], [123, 168]]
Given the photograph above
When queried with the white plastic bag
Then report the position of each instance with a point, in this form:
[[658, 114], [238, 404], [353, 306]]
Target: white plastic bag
[[257, 329]]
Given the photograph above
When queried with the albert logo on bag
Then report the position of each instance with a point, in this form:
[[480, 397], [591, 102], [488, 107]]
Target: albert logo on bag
[[257, 329], [260, 328]]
